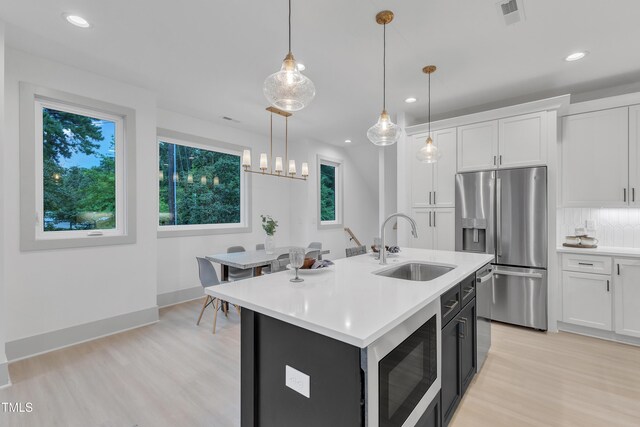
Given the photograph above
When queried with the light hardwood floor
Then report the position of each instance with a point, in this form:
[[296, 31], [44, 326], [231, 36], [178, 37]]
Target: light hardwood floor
[[176, 374]]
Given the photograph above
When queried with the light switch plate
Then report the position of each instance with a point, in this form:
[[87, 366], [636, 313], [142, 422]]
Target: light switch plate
[[297, 381], [590, 224]]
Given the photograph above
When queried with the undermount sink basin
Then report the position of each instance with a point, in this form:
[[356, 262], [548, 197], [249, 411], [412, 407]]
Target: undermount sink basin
[[416, 271]]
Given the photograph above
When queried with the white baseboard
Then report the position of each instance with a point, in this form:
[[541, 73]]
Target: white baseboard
[[38, 344], [597, 333], [180, 296]]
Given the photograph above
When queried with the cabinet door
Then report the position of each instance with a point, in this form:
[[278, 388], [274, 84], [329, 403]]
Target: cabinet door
[[586, 300], [478, 146], [444, 171], [444, 226], [634, 155], [627, 297], [522, 141], [421, 175], [595, 165], [467, 320], [451, 389], [424, 223]]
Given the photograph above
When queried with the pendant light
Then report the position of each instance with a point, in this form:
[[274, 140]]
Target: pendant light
[[429, 153], [289, 89], [385, 132]]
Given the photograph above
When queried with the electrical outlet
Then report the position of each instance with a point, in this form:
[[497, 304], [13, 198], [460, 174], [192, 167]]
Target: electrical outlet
[[297, 381], [590, 224]]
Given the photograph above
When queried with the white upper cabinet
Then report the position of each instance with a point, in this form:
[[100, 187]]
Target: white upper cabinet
[[436, 229], [478, 146], [627, 296], [421, 174], [634, 155], [444, 171], [595, 159], [444, 226], [522, 141], [424, 224], [433, 185]]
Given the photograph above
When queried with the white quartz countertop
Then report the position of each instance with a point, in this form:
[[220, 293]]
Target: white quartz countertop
[[348, 302], [601, 250]]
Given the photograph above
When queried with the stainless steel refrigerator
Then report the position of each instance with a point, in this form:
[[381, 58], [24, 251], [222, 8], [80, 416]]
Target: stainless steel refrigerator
[[504, 213]]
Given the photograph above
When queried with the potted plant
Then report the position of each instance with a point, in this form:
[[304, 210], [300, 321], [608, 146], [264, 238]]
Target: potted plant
[[269, 226]]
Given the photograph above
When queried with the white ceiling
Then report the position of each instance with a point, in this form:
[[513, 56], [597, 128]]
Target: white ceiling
[[209, 58]]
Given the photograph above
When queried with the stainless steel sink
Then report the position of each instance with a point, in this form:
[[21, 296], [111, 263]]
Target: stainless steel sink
[[416, 271]]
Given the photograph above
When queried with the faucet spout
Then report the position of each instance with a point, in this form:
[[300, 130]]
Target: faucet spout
[[414, 233]]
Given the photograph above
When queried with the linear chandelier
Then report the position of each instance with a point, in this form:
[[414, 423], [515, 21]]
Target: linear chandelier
[[276, 168]]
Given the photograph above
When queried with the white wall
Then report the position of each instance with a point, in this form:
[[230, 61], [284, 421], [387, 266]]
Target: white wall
[[177, 267], [4, 375], [48, 291], [292, 203], [51, 290]]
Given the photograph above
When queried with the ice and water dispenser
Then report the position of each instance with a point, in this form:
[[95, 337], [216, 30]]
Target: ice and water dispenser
[[474, 235]]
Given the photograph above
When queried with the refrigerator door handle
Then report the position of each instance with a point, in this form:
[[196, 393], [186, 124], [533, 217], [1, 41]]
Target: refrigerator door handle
[[519, 274], [484, 278], [499, 216]]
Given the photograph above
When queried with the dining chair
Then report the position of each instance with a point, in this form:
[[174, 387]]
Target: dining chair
[[209, 277], [358, 250], [238, 273], [315, 254], [280, 263]]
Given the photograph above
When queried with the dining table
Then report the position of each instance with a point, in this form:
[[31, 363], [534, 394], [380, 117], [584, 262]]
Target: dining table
[[256, 259]]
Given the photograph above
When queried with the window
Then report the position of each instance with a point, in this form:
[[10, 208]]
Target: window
[[201, 188], [78, 170], [75, 149], [329, 192]]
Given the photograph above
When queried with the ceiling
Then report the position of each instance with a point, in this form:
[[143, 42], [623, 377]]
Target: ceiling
[[209, 58]]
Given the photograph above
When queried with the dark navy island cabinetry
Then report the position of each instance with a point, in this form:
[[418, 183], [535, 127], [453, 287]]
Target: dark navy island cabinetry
[[459, 345], [356, 346]]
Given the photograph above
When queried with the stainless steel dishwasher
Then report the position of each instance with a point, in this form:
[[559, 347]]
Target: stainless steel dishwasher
[[484, 303]]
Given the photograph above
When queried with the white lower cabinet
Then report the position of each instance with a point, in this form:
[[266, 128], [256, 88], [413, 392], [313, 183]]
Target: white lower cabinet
[[436, 229], [627, 296], [586, 299]]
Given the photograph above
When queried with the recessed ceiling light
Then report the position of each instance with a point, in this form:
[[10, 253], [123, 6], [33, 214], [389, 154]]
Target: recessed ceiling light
[[576, 56], [410, 100], [301, 66], [347, 141], [77, 20]]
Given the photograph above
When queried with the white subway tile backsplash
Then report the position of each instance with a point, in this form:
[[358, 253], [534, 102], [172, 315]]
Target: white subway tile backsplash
[[613, 227]]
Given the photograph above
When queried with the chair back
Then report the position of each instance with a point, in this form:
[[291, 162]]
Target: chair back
[[358, 250], [315, 254], [260, 247], [207, 273], [238, 273], [280, 263]]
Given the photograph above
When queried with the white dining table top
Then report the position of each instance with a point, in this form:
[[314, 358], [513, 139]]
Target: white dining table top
[[256, 258]]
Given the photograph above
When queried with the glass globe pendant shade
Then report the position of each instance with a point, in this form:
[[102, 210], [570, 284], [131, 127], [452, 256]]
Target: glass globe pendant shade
[[429, 153], [289, 89], [385, 132]]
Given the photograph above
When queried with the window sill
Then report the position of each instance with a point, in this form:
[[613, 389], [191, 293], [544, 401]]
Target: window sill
[[329, 225], [201, 231], [76, 242]]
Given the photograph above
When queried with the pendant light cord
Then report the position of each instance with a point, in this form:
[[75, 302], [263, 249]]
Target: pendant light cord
[[384, 67], [429, 104], [289, 26]]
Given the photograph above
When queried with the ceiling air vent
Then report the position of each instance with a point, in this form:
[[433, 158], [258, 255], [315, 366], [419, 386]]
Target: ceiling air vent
[[512, 11]]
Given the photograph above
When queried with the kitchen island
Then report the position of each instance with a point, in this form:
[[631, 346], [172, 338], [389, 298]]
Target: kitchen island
[[310, 349]]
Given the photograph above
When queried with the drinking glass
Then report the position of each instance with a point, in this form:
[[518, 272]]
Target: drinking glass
[[296, 258]]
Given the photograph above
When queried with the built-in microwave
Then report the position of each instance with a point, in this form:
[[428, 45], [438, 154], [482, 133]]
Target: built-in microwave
[[402, 371]]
